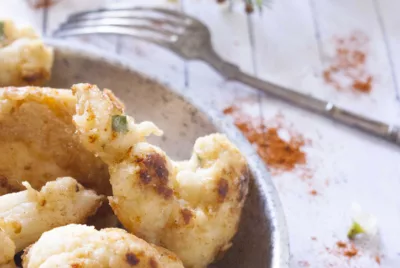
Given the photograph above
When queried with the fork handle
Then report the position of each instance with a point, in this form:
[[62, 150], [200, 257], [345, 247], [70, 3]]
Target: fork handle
[[232, 72]]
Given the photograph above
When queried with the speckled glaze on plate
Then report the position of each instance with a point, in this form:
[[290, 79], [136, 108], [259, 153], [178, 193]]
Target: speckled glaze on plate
[[262, 239]]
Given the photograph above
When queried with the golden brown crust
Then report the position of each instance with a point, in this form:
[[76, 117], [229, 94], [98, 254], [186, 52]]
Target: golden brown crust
[[223, 188], [37, 141], [25, 215], [153, 171], [191, 207], [187, 215], [117, 103], [68, 246], [132, 259]]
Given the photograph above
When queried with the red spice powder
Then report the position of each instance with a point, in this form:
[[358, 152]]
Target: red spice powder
[[346, 249], [38, 4], [378, 259], [230, 110], [277, 153], [351, 252], [363, 86], [348, 67], [304, 264], [306, 173], [313, 192]]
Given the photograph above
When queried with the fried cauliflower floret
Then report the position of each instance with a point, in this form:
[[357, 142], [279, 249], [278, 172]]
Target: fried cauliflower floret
[[83, 246], [37, 141], [25, 60], [7, 250], [106, 135], [25, 215], [192, 207]]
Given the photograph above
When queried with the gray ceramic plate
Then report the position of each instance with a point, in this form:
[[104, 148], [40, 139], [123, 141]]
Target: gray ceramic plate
[[262, 238]]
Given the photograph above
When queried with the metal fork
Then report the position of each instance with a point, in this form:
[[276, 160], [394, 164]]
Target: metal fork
[[191, 39]]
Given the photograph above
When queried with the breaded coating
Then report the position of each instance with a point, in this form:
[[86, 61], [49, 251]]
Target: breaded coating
[[7, 250], [37, 141], [25, 215], [25, 59], [85, 247], [102, 126], [191, 207]]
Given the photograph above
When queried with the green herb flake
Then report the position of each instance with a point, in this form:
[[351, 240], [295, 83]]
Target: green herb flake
[[2, 30], [119, 123], [199, 160], [355, 230], [259, 3]]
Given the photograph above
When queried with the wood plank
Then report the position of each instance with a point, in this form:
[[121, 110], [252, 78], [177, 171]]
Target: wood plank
[[285, 45], [288, 53], [389, 21], [22, 13], [346, 166], [231, 40], [152, 60], [144, 55], [358, 15], [58, 13]]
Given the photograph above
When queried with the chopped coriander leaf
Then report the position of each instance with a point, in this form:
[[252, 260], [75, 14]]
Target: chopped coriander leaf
[[119, 123], [199, 160], [355, 230]]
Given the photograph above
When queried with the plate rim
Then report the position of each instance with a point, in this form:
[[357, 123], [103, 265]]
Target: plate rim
[[262, 178]]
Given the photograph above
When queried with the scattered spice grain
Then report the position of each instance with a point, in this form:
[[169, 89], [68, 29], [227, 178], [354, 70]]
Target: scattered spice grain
[[39, 4], [341, 244], [278, 153], [313, 192], [348, 69], [351, 252], [346, 249], [230, 109], [304, 264], [378, 259]]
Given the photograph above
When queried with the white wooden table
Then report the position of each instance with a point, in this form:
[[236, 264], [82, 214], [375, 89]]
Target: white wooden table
[[290, 44]]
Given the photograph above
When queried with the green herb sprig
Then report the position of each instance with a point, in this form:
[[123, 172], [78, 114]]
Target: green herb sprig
[[355, 230], [119, 123]]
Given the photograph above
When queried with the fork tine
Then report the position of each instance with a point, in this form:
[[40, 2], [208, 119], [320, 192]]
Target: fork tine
[[130, 23], [166, 12], [132, 11], [125, 14], [96, 16], [109, 15], [113, 30]]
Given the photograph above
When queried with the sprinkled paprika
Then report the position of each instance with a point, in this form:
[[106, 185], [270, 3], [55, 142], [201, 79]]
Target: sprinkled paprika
[[279, 154], [347, 69]]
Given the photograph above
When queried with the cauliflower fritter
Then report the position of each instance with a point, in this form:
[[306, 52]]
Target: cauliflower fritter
[[25, 215], [25, 60], [85, 247], [37, 141], [7, 250], [102, 127], [191, 207]]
